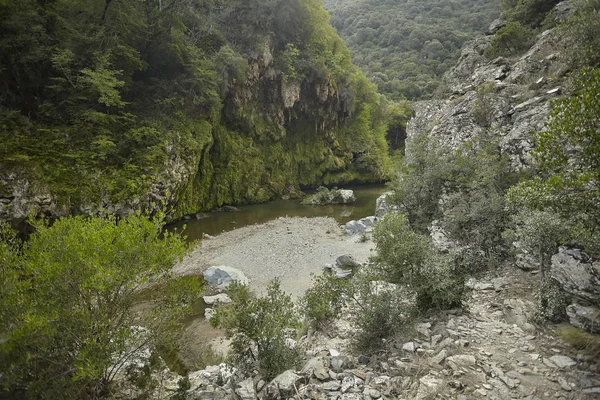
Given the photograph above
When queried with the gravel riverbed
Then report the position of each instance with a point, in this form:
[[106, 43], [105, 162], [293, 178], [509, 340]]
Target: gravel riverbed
[[290, 249]]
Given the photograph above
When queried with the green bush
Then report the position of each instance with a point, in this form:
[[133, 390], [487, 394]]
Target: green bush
[[581, 33], [510, 40], [257, 327], [567, 154], [482, 109], [407, 258], [325, 299], [66, 297], [379, 311]]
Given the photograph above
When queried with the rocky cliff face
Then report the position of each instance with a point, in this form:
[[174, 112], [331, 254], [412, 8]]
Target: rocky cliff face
[[295, 113], [508, 96]]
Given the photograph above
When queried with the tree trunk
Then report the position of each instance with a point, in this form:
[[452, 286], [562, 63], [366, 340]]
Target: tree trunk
[[106, 4]]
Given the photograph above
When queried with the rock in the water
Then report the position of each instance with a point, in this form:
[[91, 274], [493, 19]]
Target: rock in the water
[[220, 298], [222, 276], [326, 196], [355, 227], [347, 261], [577, 273]]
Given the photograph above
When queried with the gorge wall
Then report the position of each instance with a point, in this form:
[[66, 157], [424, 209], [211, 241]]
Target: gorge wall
[[186, 107]]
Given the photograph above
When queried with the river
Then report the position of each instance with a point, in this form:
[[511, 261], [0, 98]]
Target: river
[[219, 222]]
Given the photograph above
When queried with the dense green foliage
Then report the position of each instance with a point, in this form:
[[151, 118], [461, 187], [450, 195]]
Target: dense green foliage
[[582, 35], [567, 156], [462, 189], [66, 296], [510, 40], [101, 100], [529, 13], [406, 46], [257, 327], [408, 258]]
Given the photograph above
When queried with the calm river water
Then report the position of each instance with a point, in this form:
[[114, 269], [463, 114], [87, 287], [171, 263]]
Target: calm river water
[[218, 222]]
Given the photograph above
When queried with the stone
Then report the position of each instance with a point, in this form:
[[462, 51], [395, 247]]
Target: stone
[[209, 313], [220, 298], [222, 276], [245, 390], [429, 385], [339, 363], [331, 386], [369, 221], [382, 205], [409, 347], [347, 383], [317, 367], [584, 317], [439, 357], [355, 228], [495, 26], [284, 385], [577, 273], [564, 385], [347, 261], [563, 361], [461, 360]]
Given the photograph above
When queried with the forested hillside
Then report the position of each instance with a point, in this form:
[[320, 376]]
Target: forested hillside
[[406, 46], [196, 103]]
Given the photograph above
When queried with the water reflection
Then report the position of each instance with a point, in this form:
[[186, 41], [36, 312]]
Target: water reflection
[[218, 222]]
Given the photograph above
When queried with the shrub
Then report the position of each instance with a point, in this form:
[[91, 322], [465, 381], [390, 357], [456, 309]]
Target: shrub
[[408, 258], [257, 327], [67, 328], [581, 340], [582, 36], [325, 299], [482, 109], [380, 310], [510, 40]]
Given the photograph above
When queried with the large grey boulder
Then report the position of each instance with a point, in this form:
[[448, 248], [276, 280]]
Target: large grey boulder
[[284, 385], [584, 317], [317, 367], [245, 390], [347, 261], [382, 205], [222, 276], [577, 274], [355, 228]]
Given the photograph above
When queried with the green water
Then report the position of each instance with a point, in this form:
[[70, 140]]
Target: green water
[[218, 222]]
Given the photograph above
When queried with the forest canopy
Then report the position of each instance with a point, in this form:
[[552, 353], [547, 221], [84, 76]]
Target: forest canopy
[[406, 46]]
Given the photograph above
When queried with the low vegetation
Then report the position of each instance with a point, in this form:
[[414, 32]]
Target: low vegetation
[[66, 326]]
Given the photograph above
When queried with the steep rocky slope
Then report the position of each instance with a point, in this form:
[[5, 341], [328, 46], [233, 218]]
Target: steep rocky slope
[[509, 97]]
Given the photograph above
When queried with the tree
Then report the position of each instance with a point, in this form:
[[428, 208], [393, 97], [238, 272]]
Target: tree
[[539, 233], [510, 40], [257, 327], [408, 258], [68, 328]]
